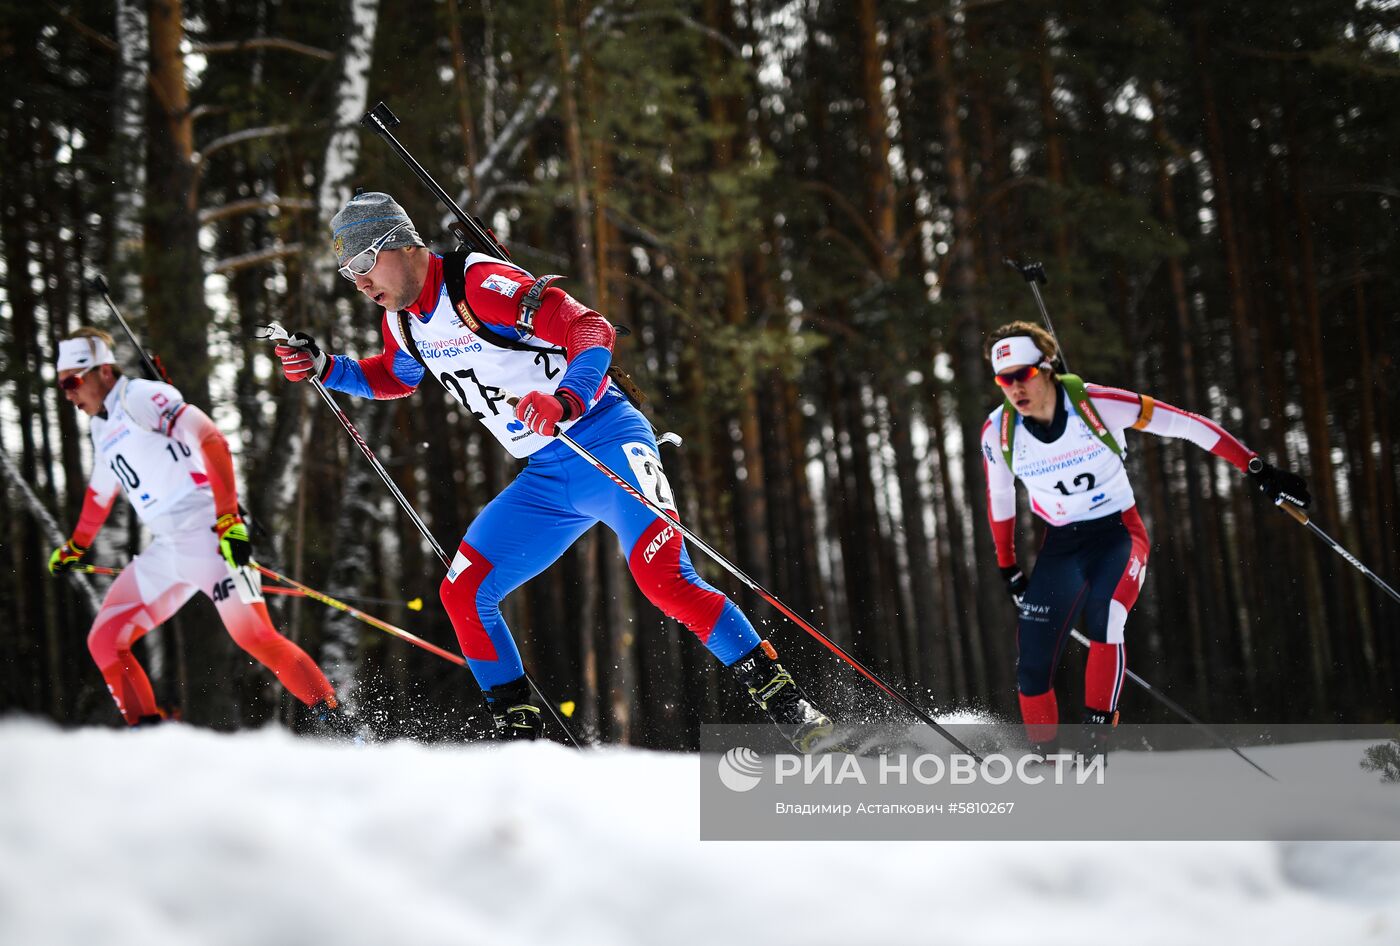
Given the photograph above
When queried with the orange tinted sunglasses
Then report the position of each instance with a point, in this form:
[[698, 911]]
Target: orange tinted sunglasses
[[1019, 376], [74, 381]]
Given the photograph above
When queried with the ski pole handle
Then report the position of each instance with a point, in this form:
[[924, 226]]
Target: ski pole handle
[[1292, 510]]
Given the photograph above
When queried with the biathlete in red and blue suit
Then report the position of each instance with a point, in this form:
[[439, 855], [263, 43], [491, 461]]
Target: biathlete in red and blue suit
[[485, 329], [1063, 439]]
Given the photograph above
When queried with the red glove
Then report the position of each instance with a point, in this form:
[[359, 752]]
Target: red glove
[[301, 358], [543, 413]]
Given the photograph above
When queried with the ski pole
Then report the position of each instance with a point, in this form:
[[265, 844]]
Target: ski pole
[[85, 569], [1034, 273], [413, 604], [758, 589], [309, 592], [1180, 710], [276, 332], [295, 587], [153, 366], [1304, 519], [359, 615]]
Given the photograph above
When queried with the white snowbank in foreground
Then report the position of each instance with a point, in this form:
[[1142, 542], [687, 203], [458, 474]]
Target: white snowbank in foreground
[[182, 836]]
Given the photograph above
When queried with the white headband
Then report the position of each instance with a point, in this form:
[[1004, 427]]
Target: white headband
[[1015, 350], [84, 352]]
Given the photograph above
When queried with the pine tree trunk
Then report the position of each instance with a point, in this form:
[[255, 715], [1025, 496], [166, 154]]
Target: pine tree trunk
[[1055, 170], [970, 370], [460, 85], [578, 160]]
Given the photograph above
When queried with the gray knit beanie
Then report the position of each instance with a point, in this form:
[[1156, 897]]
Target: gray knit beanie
[[367, 217]]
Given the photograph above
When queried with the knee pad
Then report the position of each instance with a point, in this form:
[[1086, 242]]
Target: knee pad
[[462, 597], [665, 576]]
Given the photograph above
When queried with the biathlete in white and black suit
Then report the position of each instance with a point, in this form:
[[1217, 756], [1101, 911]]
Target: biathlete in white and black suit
[[483, 328], [1063, 439]]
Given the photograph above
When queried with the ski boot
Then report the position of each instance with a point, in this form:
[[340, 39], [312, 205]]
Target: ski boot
[[1098, 730], [161, 715], [773, 689], [513, 711], [329, 720]]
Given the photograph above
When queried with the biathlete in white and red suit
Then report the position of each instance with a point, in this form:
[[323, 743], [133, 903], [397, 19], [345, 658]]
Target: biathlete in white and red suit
[[176, 471], [506, 332], [1063, 439]]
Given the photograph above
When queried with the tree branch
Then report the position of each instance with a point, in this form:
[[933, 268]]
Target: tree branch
[[265, 42], [254, 203], [237, 137], [101, 39], [46, 521], [685, 21], [234, 263]]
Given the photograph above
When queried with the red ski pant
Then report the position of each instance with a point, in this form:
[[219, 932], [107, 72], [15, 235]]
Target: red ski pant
[[153, 587]]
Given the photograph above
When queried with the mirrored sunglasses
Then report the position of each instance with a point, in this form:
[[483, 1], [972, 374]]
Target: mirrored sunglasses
[[74, 381], [1021, 375]]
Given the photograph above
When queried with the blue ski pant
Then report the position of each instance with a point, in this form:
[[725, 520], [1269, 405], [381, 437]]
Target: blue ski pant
[[549, 505]]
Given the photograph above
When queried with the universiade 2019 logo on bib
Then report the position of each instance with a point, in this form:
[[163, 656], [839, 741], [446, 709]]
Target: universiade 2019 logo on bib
[[740, 769]]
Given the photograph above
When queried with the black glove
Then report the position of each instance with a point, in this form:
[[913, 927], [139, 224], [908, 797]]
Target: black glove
[[1279, 485], [1016, 582], [234, 545]]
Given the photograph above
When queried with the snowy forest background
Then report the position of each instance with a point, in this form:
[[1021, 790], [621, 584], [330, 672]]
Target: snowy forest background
[[800, 209]]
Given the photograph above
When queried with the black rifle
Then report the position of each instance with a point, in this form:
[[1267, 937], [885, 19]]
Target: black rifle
[[153, 366], [468, 230]]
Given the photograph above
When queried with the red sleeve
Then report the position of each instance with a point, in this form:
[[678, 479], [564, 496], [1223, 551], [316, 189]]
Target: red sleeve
[[94, 514], [196, 430], [1001, 497], [379, 369], [494, 291], [1004, 535], [1125, 409], [393, 373], [564, 321]]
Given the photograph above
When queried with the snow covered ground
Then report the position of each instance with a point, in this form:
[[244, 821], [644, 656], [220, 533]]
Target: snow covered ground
[[183, 836]]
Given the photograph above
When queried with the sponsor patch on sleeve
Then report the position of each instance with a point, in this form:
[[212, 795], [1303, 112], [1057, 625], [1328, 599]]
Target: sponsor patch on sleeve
[[498, 283]]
